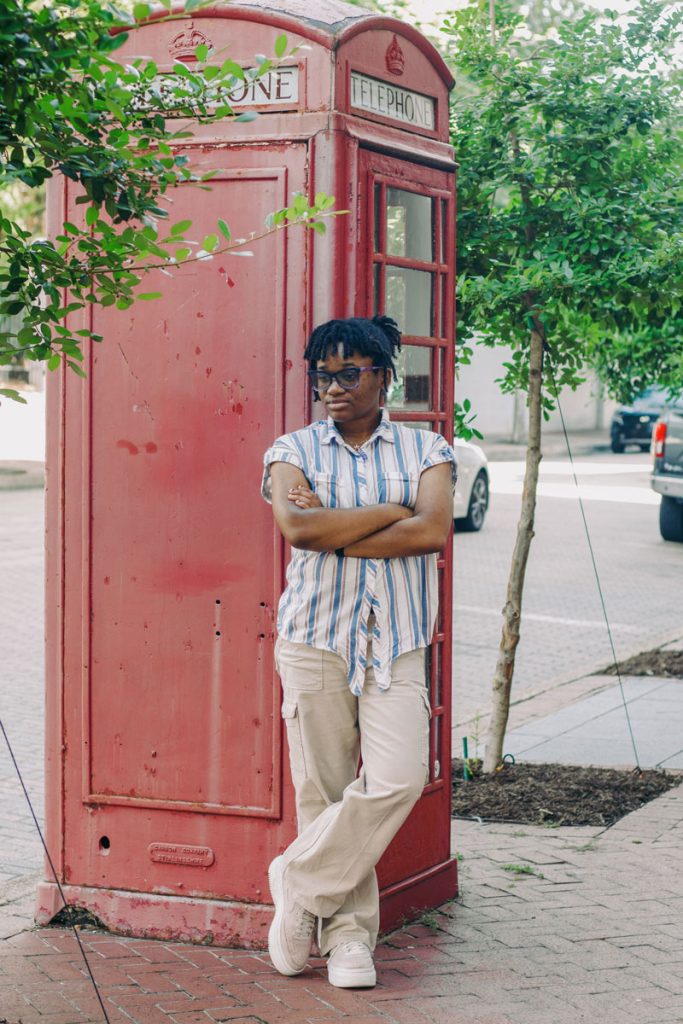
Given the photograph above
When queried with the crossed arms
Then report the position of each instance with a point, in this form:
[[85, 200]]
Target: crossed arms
[[371, 531]]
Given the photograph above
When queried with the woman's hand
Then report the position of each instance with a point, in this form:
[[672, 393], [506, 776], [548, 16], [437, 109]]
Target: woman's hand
[[304, 497]]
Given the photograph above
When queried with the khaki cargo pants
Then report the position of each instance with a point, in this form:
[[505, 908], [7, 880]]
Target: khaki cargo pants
[[347, 819]]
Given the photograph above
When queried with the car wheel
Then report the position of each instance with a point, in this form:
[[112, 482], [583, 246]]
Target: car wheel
[[671, 519], [617, 446], [479, 503]]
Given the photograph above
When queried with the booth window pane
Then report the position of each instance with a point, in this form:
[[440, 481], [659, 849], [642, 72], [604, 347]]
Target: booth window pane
[[410, 225], [444, 231], [412, 389], [378, 218], [376, 288], [442, 378], [409, 299], [447, 298], [437, 694], [436, 751], [419, 424]]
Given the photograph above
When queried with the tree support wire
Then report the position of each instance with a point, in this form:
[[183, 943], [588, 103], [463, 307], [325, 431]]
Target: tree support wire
[[548, 354], [54, 873]]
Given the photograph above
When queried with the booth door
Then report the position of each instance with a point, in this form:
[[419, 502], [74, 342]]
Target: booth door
[[173, 566], [406, 270]]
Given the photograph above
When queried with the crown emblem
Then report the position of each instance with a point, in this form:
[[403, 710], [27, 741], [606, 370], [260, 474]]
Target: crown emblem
[[394, 58], [183, 46]]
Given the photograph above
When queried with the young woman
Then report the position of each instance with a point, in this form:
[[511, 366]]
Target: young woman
[[366, 504]]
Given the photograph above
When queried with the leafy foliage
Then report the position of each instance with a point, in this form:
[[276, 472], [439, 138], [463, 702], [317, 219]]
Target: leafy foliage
[[70, 108], [570, 218]]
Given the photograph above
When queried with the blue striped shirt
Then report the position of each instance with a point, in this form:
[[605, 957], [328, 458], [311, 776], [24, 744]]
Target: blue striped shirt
[[328, 598]]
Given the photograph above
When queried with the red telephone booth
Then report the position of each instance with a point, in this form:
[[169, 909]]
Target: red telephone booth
[[168, 786]]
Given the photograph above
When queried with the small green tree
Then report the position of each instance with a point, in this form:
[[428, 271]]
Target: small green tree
[[569, 226], [70, 108]]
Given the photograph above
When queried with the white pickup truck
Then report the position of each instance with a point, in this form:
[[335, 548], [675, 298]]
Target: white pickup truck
[[667, 475]]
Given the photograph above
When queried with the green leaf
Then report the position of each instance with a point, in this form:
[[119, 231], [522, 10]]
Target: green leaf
[[54, 361], [229, 67], [149, 295], [92, 215], [248, 115], [201, 52], [14, 395], [141, 11], [210, 243], [181, 227], [224, 229], [280, 45], [78, 370]]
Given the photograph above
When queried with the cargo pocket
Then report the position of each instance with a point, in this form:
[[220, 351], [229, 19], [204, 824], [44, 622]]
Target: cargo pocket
[[297, 761], [299, 666]]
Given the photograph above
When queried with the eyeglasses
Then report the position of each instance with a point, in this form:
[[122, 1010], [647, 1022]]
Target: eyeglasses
[[348, 378]]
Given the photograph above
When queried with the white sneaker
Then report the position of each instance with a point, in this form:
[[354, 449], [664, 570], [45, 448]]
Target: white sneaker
[[351, 966], [291, 934]]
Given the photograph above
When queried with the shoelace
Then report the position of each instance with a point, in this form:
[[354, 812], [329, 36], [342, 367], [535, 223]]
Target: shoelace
[[305, 924], [354, 946]]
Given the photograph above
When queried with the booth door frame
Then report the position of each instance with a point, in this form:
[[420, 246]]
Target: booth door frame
[[377, 173]]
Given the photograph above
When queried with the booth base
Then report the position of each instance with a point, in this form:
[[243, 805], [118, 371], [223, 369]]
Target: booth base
[[406, 900], [225, 923], [170, 918]]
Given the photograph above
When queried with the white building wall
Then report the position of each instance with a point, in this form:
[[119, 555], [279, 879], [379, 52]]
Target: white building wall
[[22, 427], [503, 417]]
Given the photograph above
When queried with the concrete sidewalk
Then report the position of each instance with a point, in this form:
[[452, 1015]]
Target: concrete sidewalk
[[553, 926]]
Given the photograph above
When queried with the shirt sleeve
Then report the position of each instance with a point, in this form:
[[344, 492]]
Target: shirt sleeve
[[438, 451], [283, 450]]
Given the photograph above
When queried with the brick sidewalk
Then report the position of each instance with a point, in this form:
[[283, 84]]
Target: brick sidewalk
[[593, 931]]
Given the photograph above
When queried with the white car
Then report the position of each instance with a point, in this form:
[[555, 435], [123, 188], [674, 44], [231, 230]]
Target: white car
[[471, 499]]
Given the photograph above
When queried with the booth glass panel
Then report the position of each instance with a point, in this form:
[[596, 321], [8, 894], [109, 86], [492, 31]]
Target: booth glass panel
[[438, 678], [436, 749], [443, 255], [410, 225], [412, 388], [409, 299]]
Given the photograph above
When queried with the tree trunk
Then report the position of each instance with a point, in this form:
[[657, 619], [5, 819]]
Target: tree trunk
[[512, 612]]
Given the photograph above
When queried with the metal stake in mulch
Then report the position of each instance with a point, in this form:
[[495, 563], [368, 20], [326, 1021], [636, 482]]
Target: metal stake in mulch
[[67, 908], [466, 774]]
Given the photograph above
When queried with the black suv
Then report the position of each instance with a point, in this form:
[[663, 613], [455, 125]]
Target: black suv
[[667, 476], [633, 424]]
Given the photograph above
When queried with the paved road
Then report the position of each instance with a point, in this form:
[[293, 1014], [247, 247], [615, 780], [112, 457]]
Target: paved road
[[563, 632]]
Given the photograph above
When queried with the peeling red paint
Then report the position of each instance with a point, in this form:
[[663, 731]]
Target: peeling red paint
[[151, 447]]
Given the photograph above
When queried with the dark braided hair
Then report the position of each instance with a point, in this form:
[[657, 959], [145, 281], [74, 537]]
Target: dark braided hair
[[378, 338]]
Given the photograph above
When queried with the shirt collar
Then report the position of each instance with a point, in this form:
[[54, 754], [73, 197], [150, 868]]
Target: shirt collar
[[383, 430]]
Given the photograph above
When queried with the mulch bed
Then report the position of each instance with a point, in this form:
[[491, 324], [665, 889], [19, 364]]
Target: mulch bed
[[668, 664], [556, 794]]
